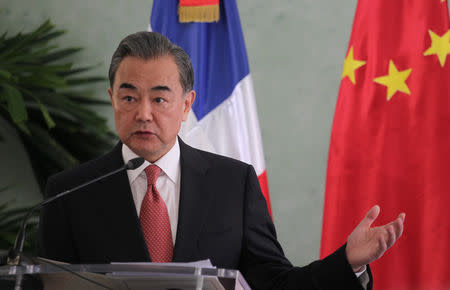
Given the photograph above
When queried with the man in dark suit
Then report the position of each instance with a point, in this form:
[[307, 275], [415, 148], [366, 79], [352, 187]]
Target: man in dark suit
[[182, 204]]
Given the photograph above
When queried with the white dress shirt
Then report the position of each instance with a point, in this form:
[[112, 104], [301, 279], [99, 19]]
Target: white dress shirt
[[167, 184]]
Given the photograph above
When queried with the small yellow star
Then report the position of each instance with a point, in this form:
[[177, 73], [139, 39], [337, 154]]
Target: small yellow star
[[442, 1], [440, 45], [350, 65], [394, 81]]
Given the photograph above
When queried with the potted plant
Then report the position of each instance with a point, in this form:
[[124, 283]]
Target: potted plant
[[44, 98]]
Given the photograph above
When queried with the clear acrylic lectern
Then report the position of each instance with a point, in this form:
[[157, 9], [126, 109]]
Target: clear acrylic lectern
[[49, 275]]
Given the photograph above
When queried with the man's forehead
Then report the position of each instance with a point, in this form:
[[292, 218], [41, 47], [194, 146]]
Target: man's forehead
[[161, 70]]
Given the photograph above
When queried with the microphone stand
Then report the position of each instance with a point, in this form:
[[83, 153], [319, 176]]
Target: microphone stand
[[15, 254]]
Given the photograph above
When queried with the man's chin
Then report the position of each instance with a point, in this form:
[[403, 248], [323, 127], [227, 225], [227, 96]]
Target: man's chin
[[150, 152]]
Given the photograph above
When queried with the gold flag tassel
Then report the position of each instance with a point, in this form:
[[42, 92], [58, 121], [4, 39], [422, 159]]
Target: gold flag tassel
[[198, 13]]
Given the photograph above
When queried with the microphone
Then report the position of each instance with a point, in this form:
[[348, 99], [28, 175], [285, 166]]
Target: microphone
[[134, 163], [14, 254]]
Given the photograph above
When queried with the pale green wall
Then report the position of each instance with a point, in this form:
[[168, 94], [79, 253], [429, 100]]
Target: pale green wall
[[296, 50]]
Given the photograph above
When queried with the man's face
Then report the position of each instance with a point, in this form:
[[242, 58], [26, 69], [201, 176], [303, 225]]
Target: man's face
[[149, 105]]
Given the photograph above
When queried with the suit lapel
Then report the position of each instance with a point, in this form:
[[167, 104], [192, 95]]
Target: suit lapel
[[194, 202], [122, 213]]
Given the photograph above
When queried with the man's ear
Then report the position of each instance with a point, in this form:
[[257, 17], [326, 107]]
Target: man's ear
[[188, 101], [110, 92]]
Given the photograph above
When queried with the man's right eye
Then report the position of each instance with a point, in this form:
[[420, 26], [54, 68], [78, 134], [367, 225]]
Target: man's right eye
[[128, 98]]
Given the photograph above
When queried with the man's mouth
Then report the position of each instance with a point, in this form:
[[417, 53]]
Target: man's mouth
[[144, 133]]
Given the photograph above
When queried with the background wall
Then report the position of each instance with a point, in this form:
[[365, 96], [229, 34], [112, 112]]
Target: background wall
[[296, 50]]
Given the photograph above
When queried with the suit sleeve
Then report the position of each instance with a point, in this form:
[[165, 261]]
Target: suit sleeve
[[54, 235], [263, 263]]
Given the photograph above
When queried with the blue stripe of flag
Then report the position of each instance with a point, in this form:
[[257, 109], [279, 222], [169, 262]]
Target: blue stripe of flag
[[217, 50]]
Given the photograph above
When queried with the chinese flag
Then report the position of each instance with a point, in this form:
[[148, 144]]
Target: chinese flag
[[390, 141]]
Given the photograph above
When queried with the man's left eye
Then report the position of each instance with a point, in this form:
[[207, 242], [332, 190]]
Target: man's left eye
[[159, 100]]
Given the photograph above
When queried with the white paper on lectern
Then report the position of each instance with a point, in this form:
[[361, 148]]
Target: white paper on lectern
[[198, 264], [138, 281]]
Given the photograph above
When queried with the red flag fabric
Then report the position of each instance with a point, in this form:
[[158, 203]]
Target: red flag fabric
[[390, 141]]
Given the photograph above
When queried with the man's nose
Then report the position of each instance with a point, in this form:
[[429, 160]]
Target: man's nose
[[144, 112]]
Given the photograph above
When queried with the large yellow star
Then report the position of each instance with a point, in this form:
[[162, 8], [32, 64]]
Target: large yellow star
[[350, 65], [440, 45], [394, 81]]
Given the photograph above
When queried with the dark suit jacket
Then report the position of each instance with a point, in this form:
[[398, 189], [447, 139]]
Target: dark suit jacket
[[222, 216]]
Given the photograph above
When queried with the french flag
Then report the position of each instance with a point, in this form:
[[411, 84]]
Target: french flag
[[223, 118]]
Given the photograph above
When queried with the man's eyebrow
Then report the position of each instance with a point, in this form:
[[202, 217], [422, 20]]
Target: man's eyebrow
[[127, 86], [161, 88]]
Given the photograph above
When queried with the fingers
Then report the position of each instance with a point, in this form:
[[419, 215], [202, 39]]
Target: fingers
[[397, 225], [386, 239], [393, 231], [391, 237], [370, 217], [382, 247]]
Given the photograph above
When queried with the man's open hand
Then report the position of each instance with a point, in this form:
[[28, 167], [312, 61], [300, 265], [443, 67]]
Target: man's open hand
[[366, 244]]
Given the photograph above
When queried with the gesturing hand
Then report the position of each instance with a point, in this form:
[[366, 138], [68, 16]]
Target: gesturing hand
[[366, 244]]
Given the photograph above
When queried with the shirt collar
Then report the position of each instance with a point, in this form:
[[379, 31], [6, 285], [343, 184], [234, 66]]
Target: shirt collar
[[169, 163]]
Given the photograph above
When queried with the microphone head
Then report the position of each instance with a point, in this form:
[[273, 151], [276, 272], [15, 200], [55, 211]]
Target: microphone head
[[134, 163]]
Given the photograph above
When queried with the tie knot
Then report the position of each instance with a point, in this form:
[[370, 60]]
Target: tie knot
[[152, 172]]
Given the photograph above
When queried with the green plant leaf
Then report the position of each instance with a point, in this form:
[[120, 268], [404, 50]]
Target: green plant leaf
[[48, 120], [23, 127], [10, 222], [76, 71], [39, 69], [5, 74], [89, 101], [56, 127], [3, 37], [16, 105], [44, 80], [50, 36], [50, 147], [59, 54], [85, 80]]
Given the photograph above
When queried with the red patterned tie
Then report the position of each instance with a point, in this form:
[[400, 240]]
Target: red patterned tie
[[155, 221]]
